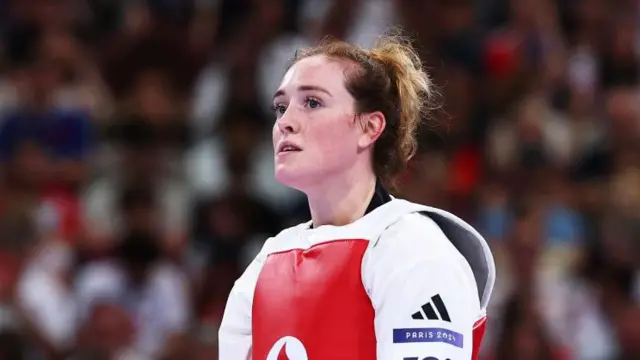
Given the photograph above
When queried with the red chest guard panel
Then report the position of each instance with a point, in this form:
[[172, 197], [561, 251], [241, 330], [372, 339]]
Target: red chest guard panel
[[311, 304], [478, 333]]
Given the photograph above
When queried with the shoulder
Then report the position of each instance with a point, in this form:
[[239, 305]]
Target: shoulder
[[411, 251], [418, 237], [415, 241]]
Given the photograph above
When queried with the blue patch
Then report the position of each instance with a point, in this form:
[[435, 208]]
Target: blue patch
[[427, 335]]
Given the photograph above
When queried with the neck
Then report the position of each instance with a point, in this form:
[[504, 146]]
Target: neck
[[341, 202]]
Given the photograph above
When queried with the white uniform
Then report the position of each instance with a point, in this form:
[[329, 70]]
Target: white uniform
[[404, 282]]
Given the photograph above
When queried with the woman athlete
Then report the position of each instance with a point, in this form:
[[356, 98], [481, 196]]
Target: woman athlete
[[370, 276]]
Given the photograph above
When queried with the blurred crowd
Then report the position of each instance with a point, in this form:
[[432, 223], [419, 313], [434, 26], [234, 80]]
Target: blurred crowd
[[136, 176]]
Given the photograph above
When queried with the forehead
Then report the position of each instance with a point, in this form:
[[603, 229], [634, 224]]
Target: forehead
[[315, 70]]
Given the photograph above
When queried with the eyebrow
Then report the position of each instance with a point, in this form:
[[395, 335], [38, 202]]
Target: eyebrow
[[281, 92]]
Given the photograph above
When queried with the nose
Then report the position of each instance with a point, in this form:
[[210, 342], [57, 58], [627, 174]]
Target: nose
[[287, 124]]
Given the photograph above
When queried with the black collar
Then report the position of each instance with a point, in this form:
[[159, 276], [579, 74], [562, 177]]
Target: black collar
[[380, 197]]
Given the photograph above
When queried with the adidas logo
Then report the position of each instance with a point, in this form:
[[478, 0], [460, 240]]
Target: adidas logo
[[428, 312]]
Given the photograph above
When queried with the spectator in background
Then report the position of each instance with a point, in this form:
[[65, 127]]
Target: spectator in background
[[494, 211], [18, 238], [592, 299], [80, 85], [523, 337], [138, 208], [46, 300], [24, 174], [60, 139], [144, 166], [154, 100], [65, 133], [585, 326], [107, 333], [527, 267], [32, 302], [532, 126], [520, 255], [150, 292]]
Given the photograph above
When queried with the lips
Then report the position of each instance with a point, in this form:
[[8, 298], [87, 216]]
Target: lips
[[287, 147]]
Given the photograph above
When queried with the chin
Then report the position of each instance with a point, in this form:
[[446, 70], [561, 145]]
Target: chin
[[286, 176], [292, 178]]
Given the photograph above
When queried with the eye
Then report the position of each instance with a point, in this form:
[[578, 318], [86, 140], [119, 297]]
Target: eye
[[312, 103], [279, 109]]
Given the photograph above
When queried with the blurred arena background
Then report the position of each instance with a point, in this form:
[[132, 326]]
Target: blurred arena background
[[140, 131]]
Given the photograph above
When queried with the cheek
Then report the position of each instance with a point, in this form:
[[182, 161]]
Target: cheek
[[275, 134], [335, 141]]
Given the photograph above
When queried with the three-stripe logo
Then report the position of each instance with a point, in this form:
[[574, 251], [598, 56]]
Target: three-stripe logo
[[427, 310]]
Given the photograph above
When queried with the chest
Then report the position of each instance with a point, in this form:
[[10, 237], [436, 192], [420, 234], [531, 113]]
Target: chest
[[312, 304]]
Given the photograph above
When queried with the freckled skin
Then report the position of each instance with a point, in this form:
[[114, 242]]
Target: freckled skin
[[321, 124]]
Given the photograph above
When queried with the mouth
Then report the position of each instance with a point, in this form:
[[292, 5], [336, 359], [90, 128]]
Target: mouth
[[288, 148]]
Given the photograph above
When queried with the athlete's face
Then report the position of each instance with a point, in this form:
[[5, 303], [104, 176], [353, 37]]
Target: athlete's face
[[315, 134]]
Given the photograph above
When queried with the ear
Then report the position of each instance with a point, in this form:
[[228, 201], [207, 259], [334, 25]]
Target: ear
[[373, 125]]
